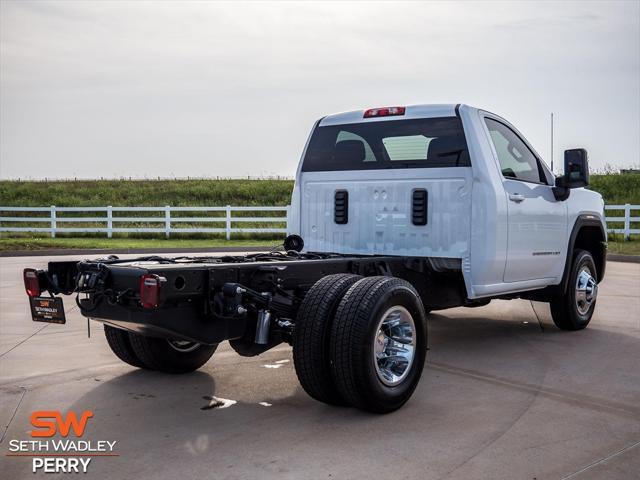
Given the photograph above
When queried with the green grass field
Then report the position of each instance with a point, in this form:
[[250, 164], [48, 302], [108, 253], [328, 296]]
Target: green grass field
[[134, 193], [140, 193], [42, 243], [615, 188], [619, 247]]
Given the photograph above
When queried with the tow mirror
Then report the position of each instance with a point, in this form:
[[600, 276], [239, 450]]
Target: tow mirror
[[576, 168], [576, 173]]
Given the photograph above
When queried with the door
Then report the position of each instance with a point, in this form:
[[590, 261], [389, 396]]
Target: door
[[537, 222]]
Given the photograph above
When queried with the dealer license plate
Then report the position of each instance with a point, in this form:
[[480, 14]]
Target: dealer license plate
[[47, 309]]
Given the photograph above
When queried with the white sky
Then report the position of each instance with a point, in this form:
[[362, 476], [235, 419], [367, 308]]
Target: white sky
[[115, 88]]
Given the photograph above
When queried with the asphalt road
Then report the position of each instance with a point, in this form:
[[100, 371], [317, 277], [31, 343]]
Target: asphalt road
[[499, 398]]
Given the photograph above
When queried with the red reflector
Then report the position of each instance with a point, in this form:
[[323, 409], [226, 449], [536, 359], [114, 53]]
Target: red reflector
[[150, 286], [31, 282], [384, 112]]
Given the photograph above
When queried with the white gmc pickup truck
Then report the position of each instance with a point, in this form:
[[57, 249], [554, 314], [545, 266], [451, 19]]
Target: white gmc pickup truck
[[396, 211]]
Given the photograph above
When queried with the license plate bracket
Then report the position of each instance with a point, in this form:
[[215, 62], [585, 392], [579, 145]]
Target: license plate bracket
[[47, 309]]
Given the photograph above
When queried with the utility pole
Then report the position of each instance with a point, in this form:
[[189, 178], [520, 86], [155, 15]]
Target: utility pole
[[552, 142]]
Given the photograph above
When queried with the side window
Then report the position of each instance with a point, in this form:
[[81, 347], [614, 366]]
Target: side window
[[516, 159]]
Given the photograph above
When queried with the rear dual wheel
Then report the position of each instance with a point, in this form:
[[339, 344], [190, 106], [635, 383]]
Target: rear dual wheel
[[361, 342], [378, 344], [169, 356], [311, 337], [120, 345]]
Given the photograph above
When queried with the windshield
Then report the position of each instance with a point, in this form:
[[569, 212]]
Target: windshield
[[421, 143]]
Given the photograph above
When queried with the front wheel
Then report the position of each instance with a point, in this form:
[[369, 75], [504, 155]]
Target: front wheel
[[378, 344], [170, 356], [574, 309]]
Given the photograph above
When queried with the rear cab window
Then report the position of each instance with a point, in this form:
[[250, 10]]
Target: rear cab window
[[415, 143]]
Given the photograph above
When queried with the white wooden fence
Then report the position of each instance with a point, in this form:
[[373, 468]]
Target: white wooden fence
[[626, 219], [109, 217], [225, 223]]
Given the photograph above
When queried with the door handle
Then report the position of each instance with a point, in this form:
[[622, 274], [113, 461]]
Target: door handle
[[516, 197]]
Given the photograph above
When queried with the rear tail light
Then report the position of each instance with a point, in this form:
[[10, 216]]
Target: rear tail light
[[150, 290], [384, 112], [31, 282]]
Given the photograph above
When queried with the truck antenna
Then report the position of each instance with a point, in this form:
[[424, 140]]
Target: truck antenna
[[552, 142]]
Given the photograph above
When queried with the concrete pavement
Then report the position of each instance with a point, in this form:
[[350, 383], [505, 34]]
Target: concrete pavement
[[499, 398]]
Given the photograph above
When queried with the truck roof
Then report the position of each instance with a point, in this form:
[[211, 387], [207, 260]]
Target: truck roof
[[411, 111]]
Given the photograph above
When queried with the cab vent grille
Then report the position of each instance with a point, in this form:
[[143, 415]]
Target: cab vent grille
[[419, 207], [341, 207]]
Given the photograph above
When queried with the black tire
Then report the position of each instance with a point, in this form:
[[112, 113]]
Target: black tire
[[120, 345], [352, 343], [565, 311], [159, 354], [311, 336]]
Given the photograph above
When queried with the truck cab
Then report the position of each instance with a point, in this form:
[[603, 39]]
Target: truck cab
[[453, 183]]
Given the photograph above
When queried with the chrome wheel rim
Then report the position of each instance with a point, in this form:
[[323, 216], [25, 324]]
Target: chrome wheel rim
[[586, 290], [394, 345], [183, 346]]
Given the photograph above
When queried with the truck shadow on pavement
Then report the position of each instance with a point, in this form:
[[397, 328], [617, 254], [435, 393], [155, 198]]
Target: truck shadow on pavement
[[497, 353]]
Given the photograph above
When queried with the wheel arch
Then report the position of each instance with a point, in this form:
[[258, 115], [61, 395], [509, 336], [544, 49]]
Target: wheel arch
[[588, 233]]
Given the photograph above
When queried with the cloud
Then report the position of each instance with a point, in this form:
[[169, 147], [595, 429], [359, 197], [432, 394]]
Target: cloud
[[147, 88]]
